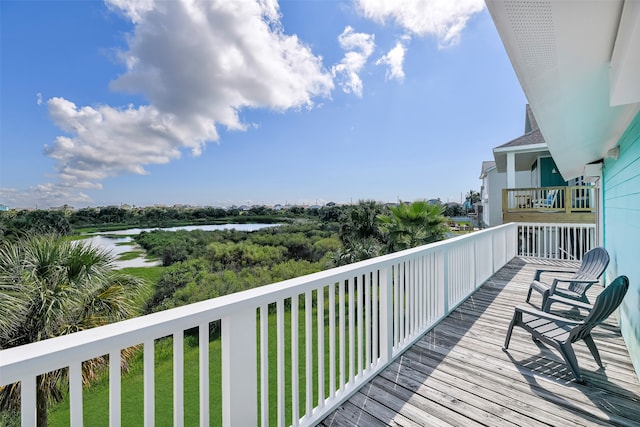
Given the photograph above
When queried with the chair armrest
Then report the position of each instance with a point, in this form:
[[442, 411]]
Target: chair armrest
[[520, 309], [569, 301], [539, 272], [568, 280]]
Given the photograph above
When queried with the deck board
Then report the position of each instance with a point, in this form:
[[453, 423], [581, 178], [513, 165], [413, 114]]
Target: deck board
[[458, 374]]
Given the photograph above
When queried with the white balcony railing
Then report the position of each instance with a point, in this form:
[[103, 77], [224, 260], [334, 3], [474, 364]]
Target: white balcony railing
[[365, 315], [555, 241]]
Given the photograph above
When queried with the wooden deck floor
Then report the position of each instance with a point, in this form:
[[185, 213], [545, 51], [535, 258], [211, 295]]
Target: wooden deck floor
[[458, 374]]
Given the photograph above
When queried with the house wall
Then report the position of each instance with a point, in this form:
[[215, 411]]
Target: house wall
[[497, 181], [493, 184], [523, 179], [621, 219]]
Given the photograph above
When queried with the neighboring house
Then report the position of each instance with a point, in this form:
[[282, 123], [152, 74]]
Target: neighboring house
[[491, 190], [580, 76], [523, 184], [4, 208]]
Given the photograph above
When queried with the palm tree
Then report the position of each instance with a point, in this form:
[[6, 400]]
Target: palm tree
[[51, 287], [411, 225], [356, 250], [471, 199], [359, 232], [360, 222]]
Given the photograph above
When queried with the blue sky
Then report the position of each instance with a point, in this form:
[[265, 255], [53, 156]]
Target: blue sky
[[249, 102]]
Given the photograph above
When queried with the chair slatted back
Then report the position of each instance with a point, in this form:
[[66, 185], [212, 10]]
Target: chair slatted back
[[605, 304], [594, 263]]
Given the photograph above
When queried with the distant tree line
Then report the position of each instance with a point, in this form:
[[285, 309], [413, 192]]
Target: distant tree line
[[14, 224]]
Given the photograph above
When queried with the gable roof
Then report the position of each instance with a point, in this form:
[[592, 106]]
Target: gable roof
[[532, 138], [530, 122], [487, 165], [527, 147]]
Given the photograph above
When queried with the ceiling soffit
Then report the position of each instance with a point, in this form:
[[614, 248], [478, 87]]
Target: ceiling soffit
[[562, 60]]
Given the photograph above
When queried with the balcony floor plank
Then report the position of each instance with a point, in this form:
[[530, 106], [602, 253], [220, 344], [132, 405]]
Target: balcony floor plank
[[458, 374]]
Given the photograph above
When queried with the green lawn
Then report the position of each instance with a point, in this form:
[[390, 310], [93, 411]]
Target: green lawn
[[150, 274], [95, 398], [126, 256]]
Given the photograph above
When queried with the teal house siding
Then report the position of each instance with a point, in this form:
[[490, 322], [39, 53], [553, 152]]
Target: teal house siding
[[621, 187]]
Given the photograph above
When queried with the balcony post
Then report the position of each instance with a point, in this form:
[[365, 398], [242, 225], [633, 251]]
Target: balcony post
[[568, 197], [386, 314], [239, 372], [511, 170], [504, 202], [28, 401], [445, 281]]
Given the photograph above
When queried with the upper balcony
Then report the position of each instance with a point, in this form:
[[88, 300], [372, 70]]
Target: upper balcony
[[415, 329], [566, 204]]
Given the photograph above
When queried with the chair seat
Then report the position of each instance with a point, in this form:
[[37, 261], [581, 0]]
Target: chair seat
[[558, 331], [569, 293]]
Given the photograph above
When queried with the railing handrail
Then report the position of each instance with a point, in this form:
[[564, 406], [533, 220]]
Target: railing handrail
[[55, 353]]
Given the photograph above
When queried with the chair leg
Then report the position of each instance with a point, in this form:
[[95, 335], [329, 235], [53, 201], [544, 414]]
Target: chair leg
[[545, 297], [570, 358], [592, 348], [509, 331]]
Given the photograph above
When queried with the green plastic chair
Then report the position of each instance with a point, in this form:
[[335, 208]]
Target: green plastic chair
[[593, 265], [561, 333]]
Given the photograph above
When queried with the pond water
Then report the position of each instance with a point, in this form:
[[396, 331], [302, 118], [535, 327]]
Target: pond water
[[119, 245], [210, 227]]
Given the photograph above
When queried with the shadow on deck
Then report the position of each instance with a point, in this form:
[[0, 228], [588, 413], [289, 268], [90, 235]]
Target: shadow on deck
[[458, 374]]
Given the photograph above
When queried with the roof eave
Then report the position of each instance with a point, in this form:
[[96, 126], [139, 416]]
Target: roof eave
[[563, 65], [531, 148]]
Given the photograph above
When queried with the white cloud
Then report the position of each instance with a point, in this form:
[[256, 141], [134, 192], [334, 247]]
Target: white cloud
[[359, 47], [444, 19], [107, 141], [394, 60], [198, 64], [43, 196]]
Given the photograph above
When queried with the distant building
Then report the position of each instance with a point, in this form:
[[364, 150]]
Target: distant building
[[525, 168], [63, 208], [4, 208]]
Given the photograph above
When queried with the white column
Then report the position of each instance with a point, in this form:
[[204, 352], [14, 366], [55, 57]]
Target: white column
[[511, 170]]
